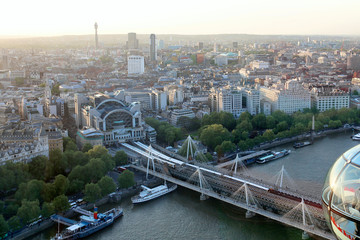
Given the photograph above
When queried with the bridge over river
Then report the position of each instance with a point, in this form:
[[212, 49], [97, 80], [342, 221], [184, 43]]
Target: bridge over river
[[271, 200]]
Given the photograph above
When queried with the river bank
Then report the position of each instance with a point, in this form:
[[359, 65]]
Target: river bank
[[109, 199], [301, 137]]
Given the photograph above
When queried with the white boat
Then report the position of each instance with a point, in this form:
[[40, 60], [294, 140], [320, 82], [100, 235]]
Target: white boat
[[356, 137], [148, 194]]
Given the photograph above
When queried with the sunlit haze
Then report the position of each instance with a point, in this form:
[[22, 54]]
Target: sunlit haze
[[67, 17]]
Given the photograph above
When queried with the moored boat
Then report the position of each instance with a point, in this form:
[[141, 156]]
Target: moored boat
[[356, 137], [273, 156], [87, 225], [148, 194], [301, 144]]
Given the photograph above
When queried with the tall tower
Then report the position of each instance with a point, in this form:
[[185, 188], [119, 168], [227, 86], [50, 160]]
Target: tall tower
[[96, 36], [153, 48], [132, 42]]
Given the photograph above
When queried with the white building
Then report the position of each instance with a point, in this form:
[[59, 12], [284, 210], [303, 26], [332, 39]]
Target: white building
[[221, 60], [135, 65], [178, 113], [158, 100], [235, 101], [176, 96], [332, 99], [293, 97], [259, 65]]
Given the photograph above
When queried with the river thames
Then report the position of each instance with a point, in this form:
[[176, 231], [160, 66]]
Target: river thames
[[181, 214]]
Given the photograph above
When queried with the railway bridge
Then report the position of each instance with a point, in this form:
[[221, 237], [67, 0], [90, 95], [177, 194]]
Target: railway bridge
[[254, 195]]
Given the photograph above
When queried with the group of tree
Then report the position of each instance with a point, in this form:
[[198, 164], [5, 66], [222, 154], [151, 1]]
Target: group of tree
[[166, 133], [222, 133], [41, 186]]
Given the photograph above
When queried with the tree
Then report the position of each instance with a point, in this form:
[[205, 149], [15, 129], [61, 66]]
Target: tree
[[14, 223], [335, 124], [2, 207], [61, 203], [244, 116], [11, 210], [56, 164], [355, 92], [259, 121], [120, 158], [190, 124], [106, 185], [31, 191], [61, 184], [71, 146], [67, 140], [245, 126], [126, 179], [37, 167], [4, 228], [108, 161], [269, 135], [34, 190], [96, 169], [47, 209], [76, 186], [282, 126], [49, 192], [86, 147], [92, 192], [97, 151], [270, 122], [209, 157], [55, 90], [29, 211], [224, 118], [214, 135], [225, 147]]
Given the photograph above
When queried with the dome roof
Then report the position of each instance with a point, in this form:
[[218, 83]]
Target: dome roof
[[341, 195]]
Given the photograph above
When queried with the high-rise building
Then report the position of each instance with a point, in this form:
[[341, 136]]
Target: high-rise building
[[161, 44], [201, 45], [132, 42], [135, 65], [353, 62], [96, 36], [153, 54], [235, 44]]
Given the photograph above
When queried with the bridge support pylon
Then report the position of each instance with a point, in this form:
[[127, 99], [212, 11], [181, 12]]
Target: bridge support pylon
[[249, 214], [305, 235], [203, 197]]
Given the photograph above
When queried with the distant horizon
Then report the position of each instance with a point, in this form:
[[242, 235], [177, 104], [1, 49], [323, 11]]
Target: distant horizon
[[176, 34], [38, 18]]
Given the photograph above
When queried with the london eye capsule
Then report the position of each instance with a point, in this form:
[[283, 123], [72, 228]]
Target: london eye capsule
[[341, 195]]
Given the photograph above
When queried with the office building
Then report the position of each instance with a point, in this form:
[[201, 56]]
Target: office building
[[135, 65], [235, 101], [178, 113], [153, 53], [292, 98], [96, 36], [132, 42], [325, 99]]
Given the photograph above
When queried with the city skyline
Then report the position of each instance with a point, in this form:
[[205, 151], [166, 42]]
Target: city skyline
[[37, 18]]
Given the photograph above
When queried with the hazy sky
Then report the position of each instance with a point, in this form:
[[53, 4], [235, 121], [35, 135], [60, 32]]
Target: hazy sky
[[65, 17]]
